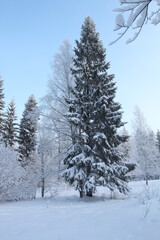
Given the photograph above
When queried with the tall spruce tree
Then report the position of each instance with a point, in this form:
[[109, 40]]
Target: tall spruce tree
[[28, 130], [94, 159], [2, 104], [10, 126]]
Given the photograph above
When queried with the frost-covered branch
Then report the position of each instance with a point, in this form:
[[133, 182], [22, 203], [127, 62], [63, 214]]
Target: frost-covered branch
[[134, 14]]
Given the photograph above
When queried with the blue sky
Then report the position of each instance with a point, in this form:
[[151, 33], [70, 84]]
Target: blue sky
[[31, 32]]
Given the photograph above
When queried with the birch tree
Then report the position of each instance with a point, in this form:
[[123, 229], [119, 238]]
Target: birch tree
[[144, 150], [48, 168], [54, 106]]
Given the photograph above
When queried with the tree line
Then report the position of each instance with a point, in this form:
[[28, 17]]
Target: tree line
[[17, 144]]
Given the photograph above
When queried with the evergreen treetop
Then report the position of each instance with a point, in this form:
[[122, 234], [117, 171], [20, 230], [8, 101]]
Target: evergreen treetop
[[28, 129], [10, 126], [2, 105], [158, 140]]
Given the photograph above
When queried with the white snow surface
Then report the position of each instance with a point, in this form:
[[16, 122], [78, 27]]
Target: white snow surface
[[67, 217]]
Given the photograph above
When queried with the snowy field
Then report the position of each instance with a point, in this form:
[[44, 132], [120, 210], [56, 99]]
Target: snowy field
[[66, 217]]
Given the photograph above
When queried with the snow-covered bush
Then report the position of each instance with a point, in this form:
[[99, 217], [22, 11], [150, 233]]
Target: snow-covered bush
[[148, 193], [148, 197], [16, 182], [10, 174]]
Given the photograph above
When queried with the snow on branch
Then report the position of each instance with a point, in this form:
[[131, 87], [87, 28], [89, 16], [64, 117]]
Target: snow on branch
[[134, 14]]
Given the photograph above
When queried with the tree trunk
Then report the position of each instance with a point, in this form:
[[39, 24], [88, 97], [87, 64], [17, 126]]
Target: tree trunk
[[42, 176], [43, 187], [80, 194], [59, 152], [89, 194], [147, 180]]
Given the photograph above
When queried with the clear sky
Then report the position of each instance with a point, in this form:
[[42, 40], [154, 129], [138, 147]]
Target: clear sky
[[31, 32]]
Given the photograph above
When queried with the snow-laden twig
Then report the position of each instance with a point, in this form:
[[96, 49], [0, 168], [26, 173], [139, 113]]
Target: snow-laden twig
[[148, 194], [147, 208], [134, 14]]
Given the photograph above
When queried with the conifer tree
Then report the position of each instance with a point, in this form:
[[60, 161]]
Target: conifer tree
[[158, 140], [28, 130], [94, 159], [2, 104], [10, 126]]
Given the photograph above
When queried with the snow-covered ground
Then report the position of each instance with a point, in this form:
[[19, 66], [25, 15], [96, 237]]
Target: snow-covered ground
[[66, 217]]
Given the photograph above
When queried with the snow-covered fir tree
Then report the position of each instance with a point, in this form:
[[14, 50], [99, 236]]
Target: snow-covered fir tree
[[94, 158], [154, 156], [2, 104], [28, 130], [11, 126], [158, 140]]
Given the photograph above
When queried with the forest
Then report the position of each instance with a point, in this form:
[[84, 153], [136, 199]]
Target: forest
[[75, 133]]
